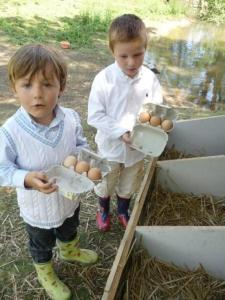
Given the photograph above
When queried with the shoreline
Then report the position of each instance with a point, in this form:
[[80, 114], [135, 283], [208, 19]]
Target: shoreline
[[162, 28]]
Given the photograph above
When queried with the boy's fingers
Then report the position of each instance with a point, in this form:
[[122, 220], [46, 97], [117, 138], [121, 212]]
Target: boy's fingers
[[43, 177], [48, 189]]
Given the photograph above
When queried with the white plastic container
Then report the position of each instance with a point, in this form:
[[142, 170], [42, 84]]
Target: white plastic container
[[199, 137], [184, 246]]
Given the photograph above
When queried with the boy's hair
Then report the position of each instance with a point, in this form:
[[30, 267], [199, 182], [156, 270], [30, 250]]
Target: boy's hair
[[126, 28], [30, 59]]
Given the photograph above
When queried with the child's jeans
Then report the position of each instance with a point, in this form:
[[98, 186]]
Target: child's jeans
[[42, 241], [123, 180]]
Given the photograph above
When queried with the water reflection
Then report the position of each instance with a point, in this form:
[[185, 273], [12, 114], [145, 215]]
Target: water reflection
[[191, 61]]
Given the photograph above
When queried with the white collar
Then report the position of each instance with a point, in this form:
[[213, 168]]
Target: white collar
[[128, 78], [59, 116]]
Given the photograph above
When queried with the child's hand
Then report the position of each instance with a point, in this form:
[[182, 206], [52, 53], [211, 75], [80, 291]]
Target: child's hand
[[39, 182], [126, 138]]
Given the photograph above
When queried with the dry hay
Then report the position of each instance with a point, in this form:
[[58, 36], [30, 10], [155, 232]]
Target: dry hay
[[148, 278], [172, 153], [169, 208], [18, 279]]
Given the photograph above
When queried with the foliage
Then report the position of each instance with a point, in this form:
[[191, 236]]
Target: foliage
[[79, 22], [147, 9], [78, 30], [213, 11]]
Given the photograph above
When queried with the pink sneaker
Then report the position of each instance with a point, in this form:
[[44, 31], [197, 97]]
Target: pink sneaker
[[103, 221], [123, 219]]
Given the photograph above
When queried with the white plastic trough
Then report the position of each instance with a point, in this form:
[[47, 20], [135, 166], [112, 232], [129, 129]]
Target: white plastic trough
[[190, 245], [187, 246], [201, 137], [183, 245]]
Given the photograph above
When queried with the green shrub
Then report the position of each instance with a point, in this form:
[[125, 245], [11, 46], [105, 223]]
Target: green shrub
[[213, 11]]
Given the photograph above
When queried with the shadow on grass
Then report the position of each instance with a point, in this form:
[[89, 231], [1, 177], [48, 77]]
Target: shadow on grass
[[79, 30]]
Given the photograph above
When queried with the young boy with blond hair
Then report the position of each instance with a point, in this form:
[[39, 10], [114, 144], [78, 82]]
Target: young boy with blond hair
[[116, 96], [39, 135]]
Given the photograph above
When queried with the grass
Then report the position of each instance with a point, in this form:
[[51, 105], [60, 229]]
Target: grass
[[77, 21], [79, 30]]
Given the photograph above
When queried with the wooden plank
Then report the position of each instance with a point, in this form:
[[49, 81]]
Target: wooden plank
[[201, 137], [201, 175], [187, 246], [124, 248]]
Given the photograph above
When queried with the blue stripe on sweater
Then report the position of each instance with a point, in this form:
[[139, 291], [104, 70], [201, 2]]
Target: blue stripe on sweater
[[29, 128]]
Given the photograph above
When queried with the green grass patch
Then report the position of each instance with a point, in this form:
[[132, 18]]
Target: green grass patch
[[213, 11], [79, 22], [79, 30]]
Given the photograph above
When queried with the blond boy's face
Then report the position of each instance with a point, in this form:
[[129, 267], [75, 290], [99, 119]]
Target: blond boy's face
[[38, 95], [129, 56]]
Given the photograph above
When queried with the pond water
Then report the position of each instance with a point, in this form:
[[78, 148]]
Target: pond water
[[191, 61]]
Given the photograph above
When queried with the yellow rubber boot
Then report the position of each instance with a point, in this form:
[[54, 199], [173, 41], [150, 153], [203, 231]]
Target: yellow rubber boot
[[70, 251], [54, 287]]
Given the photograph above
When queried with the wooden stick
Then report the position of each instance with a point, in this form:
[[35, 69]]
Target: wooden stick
[[122, 254]]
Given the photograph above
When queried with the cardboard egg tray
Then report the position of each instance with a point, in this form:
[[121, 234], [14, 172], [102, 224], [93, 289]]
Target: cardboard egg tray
[[152, 140], [148, 139], [95, 161], [164, 112], [71, 184]]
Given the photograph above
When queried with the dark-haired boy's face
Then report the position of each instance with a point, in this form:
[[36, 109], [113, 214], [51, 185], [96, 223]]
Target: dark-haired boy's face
[[39, 95], [129, 56]]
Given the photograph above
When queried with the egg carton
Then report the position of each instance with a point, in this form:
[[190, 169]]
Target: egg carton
[[148, 139], [163, 112], [70, 184], [95, 160], [160, 110]]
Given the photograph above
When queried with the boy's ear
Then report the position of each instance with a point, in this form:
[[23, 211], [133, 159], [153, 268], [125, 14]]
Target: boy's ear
[[112, 53], [61, 92], [111, 50], [14, 90]]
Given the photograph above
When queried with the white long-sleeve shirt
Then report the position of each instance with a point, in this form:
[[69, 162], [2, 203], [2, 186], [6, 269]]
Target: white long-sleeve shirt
[[28, 146], [114, 102]]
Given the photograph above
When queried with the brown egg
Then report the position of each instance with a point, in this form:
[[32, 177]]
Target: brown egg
[[70, 161], [155, 121], [65, 44], [82, 166], [94, 174], [144, 117], [167, 125]]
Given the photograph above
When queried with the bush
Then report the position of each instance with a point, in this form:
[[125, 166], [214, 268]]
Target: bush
[[213, 11]]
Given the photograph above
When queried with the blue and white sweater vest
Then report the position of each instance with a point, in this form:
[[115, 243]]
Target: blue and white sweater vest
[[36, 152]]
